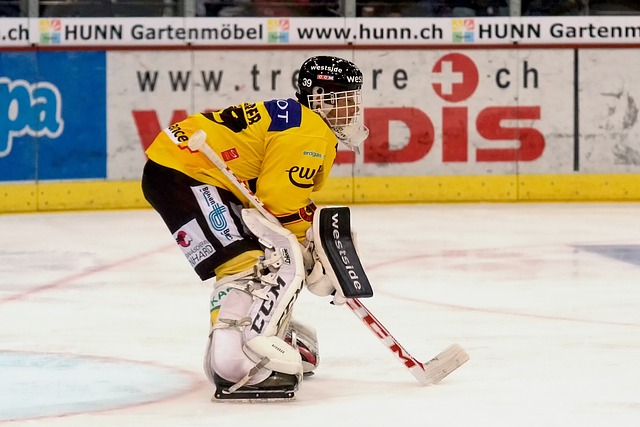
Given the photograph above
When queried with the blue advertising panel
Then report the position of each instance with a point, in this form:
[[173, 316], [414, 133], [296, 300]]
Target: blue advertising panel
[[52, 115]]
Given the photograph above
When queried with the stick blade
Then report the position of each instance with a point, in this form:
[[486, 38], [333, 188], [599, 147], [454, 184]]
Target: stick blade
[[447, 361]]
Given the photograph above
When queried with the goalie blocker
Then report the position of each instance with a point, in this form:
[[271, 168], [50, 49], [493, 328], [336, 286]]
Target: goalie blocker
[[336, 250]]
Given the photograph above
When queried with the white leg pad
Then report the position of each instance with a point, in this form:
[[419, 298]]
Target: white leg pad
[[225, 354], [270, 315], [253, 315]]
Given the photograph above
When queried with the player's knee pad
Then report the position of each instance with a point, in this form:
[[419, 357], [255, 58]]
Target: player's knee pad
[[246, 342]]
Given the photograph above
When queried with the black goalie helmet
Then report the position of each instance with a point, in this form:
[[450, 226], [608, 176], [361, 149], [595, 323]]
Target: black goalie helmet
[[332, 87]]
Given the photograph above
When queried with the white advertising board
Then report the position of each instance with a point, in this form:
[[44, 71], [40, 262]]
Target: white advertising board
[[259, 32], [431, 112], [609, 111]]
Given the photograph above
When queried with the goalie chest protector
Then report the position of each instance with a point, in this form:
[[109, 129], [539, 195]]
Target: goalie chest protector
[[335, 237]]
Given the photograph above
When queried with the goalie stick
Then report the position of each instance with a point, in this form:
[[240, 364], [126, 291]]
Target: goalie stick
[[430, 372]]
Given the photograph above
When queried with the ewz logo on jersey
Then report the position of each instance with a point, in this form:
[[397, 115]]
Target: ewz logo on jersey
[[28, 109], [297, 174]]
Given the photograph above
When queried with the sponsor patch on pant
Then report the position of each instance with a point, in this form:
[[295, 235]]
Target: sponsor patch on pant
[[217, 213], [193, 244]]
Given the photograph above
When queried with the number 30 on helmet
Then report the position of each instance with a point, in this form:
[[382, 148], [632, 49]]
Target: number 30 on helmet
[[332, 87]]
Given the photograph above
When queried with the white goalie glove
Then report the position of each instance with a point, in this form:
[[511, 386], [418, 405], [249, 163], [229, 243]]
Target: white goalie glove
[[316, 280], [332, 265]]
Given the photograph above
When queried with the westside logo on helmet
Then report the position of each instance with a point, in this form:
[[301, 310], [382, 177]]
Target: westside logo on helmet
[[329, 68]]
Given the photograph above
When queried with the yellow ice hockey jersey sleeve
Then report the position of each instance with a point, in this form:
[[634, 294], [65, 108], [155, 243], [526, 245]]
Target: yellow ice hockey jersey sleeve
[[283, 150]]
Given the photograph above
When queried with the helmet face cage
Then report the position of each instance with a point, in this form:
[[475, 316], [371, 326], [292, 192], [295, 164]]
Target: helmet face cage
[[343, 112], [331, 87]]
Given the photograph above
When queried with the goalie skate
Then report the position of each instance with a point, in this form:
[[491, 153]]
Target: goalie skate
[[277, 387], [303, 338]]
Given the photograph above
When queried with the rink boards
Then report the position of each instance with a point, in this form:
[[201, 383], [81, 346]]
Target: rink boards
[[464, 122]]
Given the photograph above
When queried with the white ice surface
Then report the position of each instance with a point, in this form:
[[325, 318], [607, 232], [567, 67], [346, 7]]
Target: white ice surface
[[552, 325]]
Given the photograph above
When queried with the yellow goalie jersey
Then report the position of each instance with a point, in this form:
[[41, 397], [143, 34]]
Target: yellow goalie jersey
[[282, 149]]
